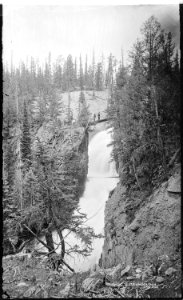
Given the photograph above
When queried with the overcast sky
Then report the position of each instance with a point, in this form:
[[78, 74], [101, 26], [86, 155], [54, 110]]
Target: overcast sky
[[35, 30]]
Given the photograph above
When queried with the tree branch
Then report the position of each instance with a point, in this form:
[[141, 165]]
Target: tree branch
[[47, 247], [174, 157]]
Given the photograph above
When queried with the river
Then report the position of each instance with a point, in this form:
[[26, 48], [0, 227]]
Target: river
[[101, 179]]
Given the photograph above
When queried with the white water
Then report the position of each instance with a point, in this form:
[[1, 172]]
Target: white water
[[99, 184]]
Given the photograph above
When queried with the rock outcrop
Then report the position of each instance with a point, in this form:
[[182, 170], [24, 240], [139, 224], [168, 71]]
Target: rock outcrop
[[72, 147], [138, 231]]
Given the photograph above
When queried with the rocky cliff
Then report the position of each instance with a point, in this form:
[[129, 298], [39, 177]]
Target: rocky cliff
[[139, 230], [71, 145]]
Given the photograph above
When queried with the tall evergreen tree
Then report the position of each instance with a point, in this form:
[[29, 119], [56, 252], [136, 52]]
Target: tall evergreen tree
[[93, 73], [83, 110], [26, 141], [86, 74], [75, 73], [70, 73], [81, 79], [99, 77], [57, 76], [110, 78]]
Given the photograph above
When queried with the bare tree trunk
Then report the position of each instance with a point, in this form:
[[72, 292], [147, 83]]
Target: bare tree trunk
[[49, 241], [62, 254]]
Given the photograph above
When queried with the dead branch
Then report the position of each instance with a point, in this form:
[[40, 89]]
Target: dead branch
[[22, 246], [122, 296], [47, 247], [174, 158], [94, 292]]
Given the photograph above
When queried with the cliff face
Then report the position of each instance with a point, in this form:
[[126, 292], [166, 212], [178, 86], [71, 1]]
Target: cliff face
[[71, 146], [137, 231]]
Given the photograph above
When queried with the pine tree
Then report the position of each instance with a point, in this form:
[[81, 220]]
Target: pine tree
[[57, 76], [54, 108], [81, 80], [75, 74], [9, 217], [32, 78], [83, 111], [47, 79], [86, 74], [151, 31], [110, 78], [26, 141], [70, 73], [90, 78], [99, 77], [93, 73]]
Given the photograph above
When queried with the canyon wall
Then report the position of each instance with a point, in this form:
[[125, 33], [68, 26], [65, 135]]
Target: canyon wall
[[139, 230]]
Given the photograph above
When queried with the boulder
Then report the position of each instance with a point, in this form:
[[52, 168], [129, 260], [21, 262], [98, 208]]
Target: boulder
[[22, 284], [125, 271], [138, 270], [130, 278], [65, 292], [174, 185], [164, 264], [138, 275], [115, 272], [159, 279], [170, 271], [112, 273], [134, 226], [163, 267]]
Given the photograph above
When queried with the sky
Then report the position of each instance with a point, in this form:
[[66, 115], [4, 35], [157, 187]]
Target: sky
[[35, 30]]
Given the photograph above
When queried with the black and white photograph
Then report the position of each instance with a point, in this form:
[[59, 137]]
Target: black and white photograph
[[91, 149]]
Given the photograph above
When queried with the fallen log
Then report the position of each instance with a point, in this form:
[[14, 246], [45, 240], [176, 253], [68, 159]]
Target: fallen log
[[113, 285]]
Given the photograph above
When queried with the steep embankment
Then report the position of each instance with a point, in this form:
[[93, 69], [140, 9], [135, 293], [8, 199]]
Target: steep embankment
[[138, 231]]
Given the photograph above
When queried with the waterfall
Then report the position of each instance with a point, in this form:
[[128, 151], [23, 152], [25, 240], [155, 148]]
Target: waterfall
[[99, 156], [101, 180]]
